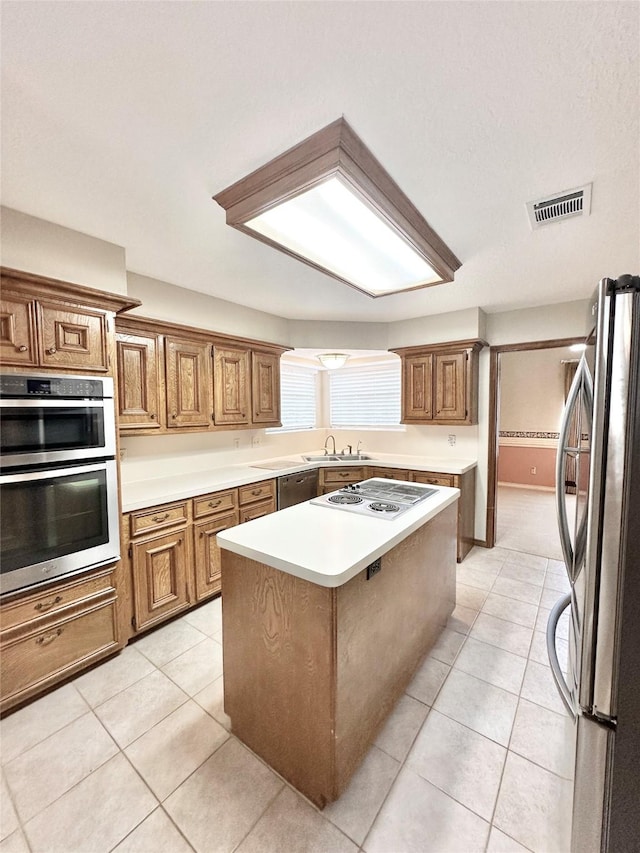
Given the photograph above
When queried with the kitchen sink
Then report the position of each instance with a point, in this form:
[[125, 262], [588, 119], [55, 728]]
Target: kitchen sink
[[338, 457]]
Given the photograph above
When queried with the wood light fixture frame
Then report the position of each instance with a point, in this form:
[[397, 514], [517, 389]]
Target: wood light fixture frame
[[336, 151]]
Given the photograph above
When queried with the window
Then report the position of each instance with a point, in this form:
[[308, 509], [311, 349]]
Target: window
[[366, 396], [297, 398]]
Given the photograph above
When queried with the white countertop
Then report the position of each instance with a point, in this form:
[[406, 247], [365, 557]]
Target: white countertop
[[159, 490], [324, 545]]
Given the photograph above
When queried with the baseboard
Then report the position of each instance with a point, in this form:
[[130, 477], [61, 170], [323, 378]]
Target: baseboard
[[526, 486]]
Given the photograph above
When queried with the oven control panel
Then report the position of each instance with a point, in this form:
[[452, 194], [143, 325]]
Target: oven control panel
[[56, 387]]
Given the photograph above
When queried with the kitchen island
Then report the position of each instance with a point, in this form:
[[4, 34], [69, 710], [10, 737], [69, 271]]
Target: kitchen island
[[320, 639]]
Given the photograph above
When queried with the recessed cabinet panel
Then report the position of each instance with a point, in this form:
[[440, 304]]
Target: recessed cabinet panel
[[73, 338], [265, 392], [231, 378], [138, 387], [188, 384], [450, 386], [17, 331], [418, 384], [160, 577]]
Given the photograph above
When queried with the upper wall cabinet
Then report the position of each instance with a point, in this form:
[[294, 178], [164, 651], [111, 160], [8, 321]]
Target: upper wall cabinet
[[180, 378], [440, 383], [50, 324]]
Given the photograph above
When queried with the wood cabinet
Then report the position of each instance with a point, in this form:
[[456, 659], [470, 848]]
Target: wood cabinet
[[265, 388], [50, 634], [331, 479], [51, 324], [189, 389], [440, 383], [140, 392], [160, 563], [172, 557], [390, 473], [209, 381], [212, 513], [257, 499], [466, 504], [232, 403]]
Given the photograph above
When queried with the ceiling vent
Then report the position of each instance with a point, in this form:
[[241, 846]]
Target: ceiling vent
[[569, 203]]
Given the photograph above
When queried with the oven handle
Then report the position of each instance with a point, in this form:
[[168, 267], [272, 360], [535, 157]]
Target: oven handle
[[52, 473], [58, 403]]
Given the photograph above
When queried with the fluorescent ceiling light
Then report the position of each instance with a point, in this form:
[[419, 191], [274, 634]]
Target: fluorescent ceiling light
[[330, 203], [332, 360]]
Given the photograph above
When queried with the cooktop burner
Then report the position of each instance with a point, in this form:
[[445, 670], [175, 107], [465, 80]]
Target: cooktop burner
[[344, 499], [377, 497], [379, 506]]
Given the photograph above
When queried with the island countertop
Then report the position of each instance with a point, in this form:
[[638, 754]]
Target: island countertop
[[324, 545], [158, 490]]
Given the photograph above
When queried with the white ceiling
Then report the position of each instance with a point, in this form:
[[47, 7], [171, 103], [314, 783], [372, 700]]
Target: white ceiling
[[122, 120]]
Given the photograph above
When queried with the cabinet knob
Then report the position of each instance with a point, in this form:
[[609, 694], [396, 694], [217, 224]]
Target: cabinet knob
[[22, 348], [152, 416], [48, 638], [51, 351], [174, 416], [46, 605]]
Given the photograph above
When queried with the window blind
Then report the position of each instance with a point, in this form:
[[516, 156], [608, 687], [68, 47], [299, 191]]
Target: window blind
[[297, 398], [366, 396]]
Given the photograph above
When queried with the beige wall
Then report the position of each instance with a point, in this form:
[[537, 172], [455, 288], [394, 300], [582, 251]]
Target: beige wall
[[532, 389], [452, 326], [41, 247]]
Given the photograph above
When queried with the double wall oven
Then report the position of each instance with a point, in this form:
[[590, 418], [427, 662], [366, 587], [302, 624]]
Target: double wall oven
[[58, 478]]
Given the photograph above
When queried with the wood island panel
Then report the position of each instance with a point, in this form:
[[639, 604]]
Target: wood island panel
[[311, 672]]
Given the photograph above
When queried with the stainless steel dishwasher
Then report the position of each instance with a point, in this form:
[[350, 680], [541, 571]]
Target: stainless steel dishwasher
[[296, 488]]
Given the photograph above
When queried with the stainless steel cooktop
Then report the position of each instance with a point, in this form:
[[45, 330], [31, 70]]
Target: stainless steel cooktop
[[377, 497]]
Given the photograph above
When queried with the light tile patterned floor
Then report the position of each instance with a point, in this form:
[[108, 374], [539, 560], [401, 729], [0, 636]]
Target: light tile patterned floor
[[526, 521], [136, 757]]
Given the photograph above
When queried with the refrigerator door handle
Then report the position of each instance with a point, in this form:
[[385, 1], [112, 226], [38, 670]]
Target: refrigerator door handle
[[558, 676]]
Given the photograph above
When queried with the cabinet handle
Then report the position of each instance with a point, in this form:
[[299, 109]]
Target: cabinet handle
[[51, 351], [180, 541], [49, 638], [256, 492], [160, 517], [344, 473], [22, 348], [45, 605], [152, 416], [215, 503]]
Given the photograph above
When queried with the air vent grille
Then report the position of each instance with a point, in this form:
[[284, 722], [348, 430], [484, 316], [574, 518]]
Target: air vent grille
[[569, 203]]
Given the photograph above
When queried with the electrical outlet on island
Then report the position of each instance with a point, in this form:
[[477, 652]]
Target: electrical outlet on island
[[452, 440], [256, 440]]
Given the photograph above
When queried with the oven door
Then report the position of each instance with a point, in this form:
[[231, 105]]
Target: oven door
[[36, 432], [57, 522]]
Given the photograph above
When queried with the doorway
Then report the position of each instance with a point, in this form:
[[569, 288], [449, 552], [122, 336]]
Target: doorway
[[525, 404]]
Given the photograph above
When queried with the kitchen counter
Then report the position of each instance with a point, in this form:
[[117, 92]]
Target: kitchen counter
[[324, 545], [158, 490]]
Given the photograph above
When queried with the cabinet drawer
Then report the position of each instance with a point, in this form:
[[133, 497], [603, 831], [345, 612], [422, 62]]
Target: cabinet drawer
[[344, 475], [391, 473], [257, 492], [256, 510], [215, 502], [52, 652], [148, 520], [432, 479], [56, 599]]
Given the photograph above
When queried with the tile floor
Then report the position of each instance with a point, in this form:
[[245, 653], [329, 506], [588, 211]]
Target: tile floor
[[526, 521], [136, 757]]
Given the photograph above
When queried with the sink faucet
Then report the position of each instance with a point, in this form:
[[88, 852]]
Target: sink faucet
[[326, 452]]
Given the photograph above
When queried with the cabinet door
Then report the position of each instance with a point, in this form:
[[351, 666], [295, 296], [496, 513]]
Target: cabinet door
[[139, 372], [265, 388], [17, 331], [417, 388], [231, 386], [188, 383], [73, 338], [450, 370], [208, 573], [160, 577]]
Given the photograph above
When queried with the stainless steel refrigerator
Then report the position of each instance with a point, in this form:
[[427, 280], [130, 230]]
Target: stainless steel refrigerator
[[598, 496]]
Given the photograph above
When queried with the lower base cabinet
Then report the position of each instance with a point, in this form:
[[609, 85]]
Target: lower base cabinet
[[160, 586], [207, 566], [49, 635]]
